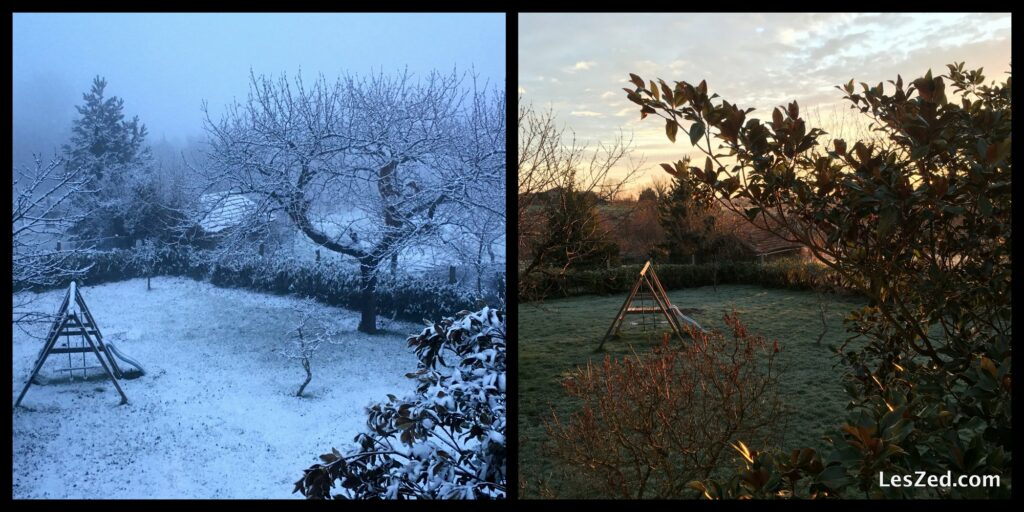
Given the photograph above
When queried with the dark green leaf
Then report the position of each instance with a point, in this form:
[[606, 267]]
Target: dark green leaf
[[696, 132]]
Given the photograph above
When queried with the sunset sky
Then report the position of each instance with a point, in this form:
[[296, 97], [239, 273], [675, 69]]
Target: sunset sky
[[577, 64]]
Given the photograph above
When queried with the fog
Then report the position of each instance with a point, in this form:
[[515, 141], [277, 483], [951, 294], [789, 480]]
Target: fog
[[165, 65]]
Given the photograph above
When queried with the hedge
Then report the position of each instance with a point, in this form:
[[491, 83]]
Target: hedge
[[405, 297], [782, 273]]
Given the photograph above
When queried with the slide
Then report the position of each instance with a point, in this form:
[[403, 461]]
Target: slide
[[687, 319], [116, 352]]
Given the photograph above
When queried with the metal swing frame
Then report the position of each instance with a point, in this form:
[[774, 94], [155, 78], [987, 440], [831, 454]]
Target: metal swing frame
[[74, 319]]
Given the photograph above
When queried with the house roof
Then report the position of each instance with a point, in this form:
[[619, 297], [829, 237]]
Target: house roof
[[224, 210]]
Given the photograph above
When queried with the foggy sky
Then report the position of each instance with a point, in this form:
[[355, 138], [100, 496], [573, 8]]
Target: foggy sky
[[577, 64], [165, 65]]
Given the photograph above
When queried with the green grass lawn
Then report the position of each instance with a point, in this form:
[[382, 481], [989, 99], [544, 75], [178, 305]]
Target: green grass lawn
[[558, 335]]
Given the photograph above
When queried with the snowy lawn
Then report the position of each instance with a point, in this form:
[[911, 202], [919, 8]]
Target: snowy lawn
[[214, 416]]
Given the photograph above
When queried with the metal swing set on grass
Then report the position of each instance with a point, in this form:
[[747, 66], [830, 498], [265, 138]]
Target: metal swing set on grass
[[74, 319]]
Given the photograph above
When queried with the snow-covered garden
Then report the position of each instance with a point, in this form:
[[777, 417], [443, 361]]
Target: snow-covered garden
[[308, 297], [216, 397], [218, 394]]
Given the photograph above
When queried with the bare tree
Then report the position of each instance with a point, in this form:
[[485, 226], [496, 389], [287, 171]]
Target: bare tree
[[364, 166], [554, 169], [660, 184], [43, 196], [478, 225], [145, 256], [477, 244], [306, 338]]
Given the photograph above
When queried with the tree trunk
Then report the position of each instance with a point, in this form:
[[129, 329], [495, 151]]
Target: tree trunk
[[309, 376], [148, 287], [368, 311], [394, 264]]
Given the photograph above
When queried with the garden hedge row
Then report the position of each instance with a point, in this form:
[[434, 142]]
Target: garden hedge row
[[405, 297], [783, 273]]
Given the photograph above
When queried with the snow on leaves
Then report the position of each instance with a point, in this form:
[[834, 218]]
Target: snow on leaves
[[447, 441]]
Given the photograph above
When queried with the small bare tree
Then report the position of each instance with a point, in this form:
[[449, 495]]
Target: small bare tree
[[555, 172], [311, 331], [824, 299], [145, 257]]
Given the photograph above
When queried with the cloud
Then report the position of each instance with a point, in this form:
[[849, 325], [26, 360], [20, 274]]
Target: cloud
[[677, 65], [795, 57], [789, 36], [582, 65]]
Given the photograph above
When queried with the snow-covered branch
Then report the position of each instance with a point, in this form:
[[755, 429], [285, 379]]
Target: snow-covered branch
[[365, 166], [42, 211]]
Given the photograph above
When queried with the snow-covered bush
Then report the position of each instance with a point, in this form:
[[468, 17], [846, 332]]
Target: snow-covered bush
[[447, 441]]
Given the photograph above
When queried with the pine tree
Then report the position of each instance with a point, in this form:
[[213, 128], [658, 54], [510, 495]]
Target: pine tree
[[101, 138], [112, 152], [685, 218]]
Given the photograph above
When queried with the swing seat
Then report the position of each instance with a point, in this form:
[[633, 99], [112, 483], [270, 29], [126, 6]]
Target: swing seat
[[80, 368]]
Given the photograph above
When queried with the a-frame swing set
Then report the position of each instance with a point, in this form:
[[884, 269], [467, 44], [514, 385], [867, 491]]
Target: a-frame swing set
[[74, 319], [648, 297]]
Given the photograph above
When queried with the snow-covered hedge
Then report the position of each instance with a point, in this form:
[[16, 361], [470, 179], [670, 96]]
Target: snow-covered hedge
[[447, 441], [405, 297], [120, 264]]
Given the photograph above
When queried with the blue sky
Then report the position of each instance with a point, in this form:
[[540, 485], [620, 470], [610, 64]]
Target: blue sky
[[577, 64], [164, 65]]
